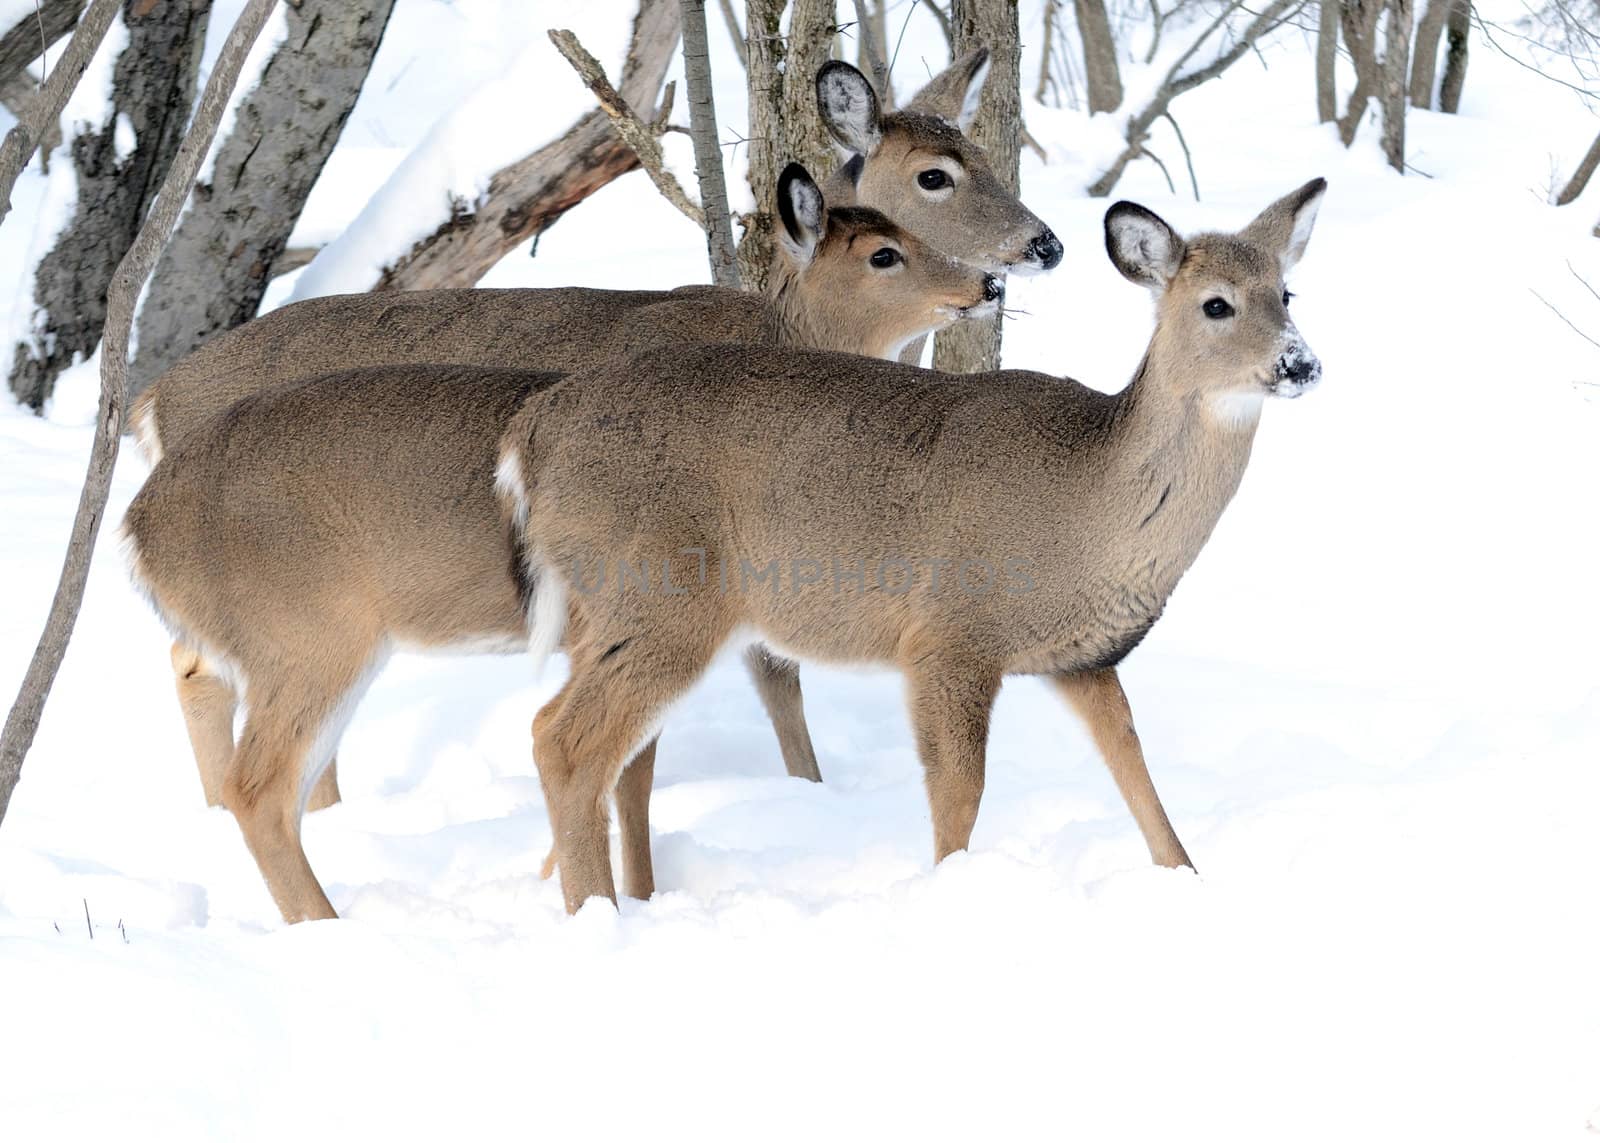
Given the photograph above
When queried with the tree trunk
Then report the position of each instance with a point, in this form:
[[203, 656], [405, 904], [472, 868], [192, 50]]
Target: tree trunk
[[1396, 65], [707, 151], [1425, 53], [122, 294], [974, 346], [1458, 30], [527, 197], [1359, 20], [152, 90], [1580, 177], [732, 21], [1327, 58], [212, 274], [871, 59], [21, 44], [1099, 56], [784, 124]]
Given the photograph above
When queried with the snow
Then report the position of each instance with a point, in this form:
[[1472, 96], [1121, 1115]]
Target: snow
[[1372, 710]]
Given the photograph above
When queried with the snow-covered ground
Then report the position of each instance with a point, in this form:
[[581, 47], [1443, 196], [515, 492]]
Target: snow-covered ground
[[1373, 711]]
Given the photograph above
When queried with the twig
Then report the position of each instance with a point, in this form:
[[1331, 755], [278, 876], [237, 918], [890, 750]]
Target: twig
[[1583, 281], [121, 297], [1155, 158], [737, 35], [1564, 318], [639, 136], [1187, 158], [87, 923]]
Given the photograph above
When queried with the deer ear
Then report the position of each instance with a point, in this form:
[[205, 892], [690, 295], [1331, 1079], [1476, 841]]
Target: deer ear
[[1284, 228], [955, 92], [849, 108], [803, 212], [1144, 248]]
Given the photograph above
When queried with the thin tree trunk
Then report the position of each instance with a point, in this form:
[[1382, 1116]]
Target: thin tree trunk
[[707, 152], [45, 110], [22, 43], [216, 268], [807, 142], [152, 91], [1396, 66], [1327, 59], [1458, 30], [1359, 19], [1046, 80], [871, 59], [974, 346], [732, 20], [1580, 178], [126, 282], [527, 197], [1103, 78], [1425, 53]]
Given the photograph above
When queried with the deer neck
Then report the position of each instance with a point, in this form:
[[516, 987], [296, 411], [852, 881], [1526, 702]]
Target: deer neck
[[1174, 461], [802, 322]]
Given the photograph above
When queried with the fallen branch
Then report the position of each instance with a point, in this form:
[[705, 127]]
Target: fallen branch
[[126, 284], [639, 136]]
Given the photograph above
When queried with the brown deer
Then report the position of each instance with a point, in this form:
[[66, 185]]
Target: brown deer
[[313, 527], [959, 528], [564, 329]]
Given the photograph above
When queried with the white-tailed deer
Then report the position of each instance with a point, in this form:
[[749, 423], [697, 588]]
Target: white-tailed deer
[[565, 329], [314, 527], [958, 528]]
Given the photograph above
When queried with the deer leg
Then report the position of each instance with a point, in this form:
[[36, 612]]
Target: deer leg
[[326, 792], [208, 701], [950, 707], [778, 682], [1098, 698], [633, 820]]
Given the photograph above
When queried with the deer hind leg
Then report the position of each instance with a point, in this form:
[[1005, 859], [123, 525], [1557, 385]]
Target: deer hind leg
[[208, 700], [1098, 698], [950, 705], [289, 734], [778, 682], [584, 735], [633, 821], [326, 792]]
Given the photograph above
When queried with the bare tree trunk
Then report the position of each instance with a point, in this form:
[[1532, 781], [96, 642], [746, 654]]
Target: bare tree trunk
[[1396, 65], [974, 346], [45, 110], [1047, 82], [1100, 70], [1458, 30], [732, 20], [1580, 178], [1359, 19], [21, 44], [1425, 52], [1327, 58], [527, 197], [152, 92], [123, 293], [212, 274], [871, 58], [707, 153], [784, 124]]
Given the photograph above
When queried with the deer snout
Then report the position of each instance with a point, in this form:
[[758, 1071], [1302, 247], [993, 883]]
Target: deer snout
[[1045, 249], [994, 289], [1296, 371]]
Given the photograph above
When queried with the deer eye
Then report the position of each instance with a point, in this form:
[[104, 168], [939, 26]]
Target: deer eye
[[1286, 296], [1217, 308], [933, 179], [885, 257]]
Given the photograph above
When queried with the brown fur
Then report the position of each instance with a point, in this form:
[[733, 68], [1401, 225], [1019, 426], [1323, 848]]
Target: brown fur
[[1087, 507]]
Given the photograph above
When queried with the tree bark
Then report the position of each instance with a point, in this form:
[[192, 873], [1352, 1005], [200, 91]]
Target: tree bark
[[1359, 19], [45, 110], [21, 44], [1102, 76], [212, 274], [974, 346], [784, 124], [152, 91], [1425, 52], [707, 150], [1458, 30], [1327, 59], [1396, 66], [871, 57], [527, 197], [1580, 178], [123, 294]]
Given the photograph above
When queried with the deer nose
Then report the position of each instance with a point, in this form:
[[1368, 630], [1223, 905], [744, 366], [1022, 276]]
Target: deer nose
[[1046, 250], [993, 288]]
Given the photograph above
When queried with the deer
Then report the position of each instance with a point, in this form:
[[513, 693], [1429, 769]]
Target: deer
[[736, 483], [315, 527], [892, 160]]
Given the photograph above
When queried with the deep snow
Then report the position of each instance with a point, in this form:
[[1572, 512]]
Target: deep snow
[[1372, 710]]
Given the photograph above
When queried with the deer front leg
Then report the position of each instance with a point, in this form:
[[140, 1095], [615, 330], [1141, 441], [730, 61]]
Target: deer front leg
[[778, 682], [208, 701], [950, 707], [1098, 699]]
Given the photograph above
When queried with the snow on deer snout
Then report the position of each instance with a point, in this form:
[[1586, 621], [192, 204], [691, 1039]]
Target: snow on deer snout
[[1229, 306]]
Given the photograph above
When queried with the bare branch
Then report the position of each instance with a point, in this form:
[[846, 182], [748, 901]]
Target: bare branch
[[640, 137], [126, 283]]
